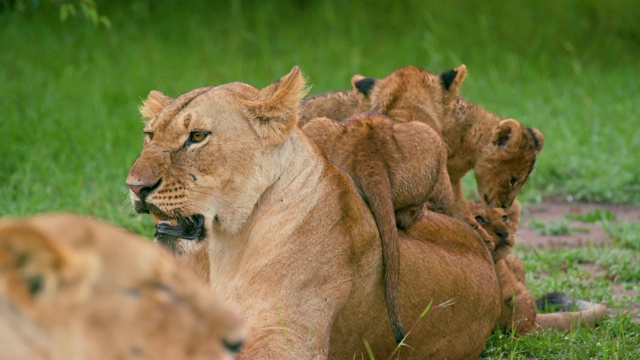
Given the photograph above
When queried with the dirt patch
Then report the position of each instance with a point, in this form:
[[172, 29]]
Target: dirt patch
[[583, 232], [534, 216]]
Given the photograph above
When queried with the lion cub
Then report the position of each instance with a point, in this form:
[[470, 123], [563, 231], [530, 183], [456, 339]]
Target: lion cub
[[501, 152], [518, 311], [397, 168]]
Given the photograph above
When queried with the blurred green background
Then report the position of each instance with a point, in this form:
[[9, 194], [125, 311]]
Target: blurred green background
[[70, 128], [69, 90]]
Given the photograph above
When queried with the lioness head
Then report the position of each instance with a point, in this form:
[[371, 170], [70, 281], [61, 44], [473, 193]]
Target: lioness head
[[412, 94], [73, 287], [209, 155], [505, 164], [500, 224]]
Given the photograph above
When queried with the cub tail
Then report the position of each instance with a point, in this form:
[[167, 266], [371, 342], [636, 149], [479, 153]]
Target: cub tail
[[376, 190]]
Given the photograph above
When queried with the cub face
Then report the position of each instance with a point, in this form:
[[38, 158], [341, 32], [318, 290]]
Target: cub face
[[504, 165], [500, 224], [208, 156]]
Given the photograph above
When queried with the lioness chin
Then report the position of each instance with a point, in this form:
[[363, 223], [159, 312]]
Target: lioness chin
[[292, 246]]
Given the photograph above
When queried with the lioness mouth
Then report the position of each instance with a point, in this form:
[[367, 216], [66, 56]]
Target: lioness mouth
[[188, 228]]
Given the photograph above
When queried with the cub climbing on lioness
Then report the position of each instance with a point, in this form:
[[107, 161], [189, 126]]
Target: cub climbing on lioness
[[396, 167], [501, 152], [519, 312]]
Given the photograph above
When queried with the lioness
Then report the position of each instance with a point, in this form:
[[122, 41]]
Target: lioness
[[396, 167], [77, 288], [292, 245], [519, 309], [501, 152]]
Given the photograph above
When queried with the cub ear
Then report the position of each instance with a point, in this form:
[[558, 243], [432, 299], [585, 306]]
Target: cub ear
[[362, 84], [513, 212], [275, 111], [451, 81], [156, 101], [506, 134], [538, 139]]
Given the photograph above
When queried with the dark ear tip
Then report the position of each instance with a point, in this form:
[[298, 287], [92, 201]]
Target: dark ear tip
[[447, 78], [365, 85]]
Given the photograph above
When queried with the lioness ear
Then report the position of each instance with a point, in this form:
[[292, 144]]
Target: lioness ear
[[362, 84], [37, 268], [156, 101], [275, 111], [32, 264], [451, 81], [506, 134], [538, 139]]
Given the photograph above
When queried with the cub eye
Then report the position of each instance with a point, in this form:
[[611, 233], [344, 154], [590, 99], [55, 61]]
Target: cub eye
[[505, 218], [480, 219], [197, 136], [513, 181]]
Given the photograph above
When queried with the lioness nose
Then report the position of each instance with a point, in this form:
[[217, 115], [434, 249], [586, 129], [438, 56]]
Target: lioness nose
[[143, 190]]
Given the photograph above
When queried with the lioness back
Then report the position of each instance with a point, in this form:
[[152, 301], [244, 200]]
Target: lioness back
[[74, 287]]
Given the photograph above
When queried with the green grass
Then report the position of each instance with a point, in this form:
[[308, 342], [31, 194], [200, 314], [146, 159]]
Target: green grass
[[69, 94], [564, 270]]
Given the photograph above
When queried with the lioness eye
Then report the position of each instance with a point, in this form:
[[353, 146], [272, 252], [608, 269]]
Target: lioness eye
[[148, 135], [513, 181], [480, 219], [505, 218], [197, 136]]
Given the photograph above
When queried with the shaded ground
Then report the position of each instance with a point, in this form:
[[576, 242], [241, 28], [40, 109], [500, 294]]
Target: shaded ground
[[530, 235], [550, 212]]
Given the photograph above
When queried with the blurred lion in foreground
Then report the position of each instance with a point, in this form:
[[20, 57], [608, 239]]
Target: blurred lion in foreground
[[77, 288]]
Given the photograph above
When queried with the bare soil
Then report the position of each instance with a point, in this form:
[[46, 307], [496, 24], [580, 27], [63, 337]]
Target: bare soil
[[527, 235]]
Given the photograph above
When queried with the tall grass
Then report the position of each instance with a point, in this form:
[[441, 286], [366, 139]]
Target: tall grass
[[69, 127]]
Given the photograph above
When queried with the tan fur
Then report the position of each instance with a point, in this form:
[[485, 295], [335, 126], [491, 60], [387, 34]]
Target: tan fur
[[77, 288], [518, 309], [337, 105], [396, 168], [292, 245], [500, 151]]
